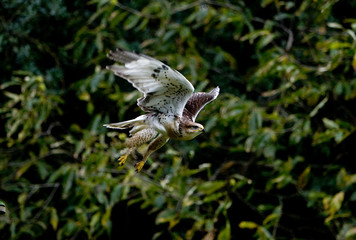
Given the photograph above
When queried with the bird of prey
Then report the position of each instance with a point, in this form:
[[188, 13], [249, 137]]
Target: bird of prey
[[168, 100]]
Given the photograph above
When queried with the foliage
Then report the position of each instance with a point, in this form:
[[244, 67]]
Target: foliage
[[277, 159]]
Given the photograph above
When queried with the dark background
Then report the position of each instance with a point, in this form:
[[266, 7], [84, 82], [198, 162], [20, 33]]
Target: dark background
[[277, 161]]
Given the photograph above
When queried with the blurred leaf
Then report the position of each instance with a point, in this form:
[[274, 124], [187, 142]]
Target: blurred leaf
[[131, 21], [68, 183], [54, 218], [211, 186], [318, 107], [167, 215], [330, 124], [42, 169], [351, 233], [304, 177], [255, 121], [105, 220], [249, 225], [225, 234], [95, 219], [22, 198], [336, 202], [115, 194], [23, 169]]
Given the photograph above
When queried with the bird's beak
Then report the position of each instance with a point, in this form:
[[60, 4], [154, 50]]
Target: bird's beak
[[203, 130]]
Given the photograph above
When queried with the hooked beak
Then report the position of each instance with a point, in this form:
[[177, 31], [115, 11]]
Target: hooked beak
[[199, 130]]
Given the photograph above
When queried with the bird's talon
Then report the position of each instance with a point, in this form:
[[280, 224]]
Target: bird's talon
[[139, 166], [122, 160]]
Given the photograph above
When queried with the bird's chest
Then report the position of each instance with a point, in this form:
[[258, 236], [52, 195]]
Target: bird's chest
[[168, 125]]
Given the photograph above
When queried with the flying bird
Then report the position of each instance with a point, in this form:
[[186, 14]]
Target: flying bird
[[169, 101]]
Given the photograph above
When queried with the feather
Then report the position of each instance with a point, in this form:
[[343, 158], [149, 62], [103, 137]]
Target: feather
[[198, 101], [165, 90], [128, 124]]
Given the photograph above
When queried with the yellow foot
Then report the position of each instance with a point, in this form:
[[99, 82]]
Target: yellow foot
[[139, 166], [122, 159]]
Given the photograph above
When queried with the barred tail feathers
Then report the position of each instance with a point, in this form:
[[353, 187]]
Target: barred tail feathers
[[127, 124]]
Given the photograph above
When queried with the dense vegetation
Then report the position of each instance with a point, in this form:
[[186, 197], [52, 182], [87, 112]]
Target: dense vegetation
[[278, 158]]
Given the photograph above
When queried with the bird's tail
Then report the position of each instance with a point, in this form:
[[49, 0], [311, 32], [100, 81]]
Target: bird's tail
[[127, 124]]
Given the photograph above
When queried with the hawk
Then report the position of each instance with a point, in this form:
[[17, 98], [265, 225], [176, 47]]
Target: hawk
[[169, 102]]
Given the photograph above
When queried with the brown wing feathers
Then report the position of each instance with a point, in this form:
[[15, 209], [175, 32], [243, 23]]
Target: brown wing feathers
[[197, 102]]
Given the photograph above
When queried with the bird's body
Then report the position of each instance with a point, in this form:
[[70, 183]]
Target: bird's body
[[168, 99]]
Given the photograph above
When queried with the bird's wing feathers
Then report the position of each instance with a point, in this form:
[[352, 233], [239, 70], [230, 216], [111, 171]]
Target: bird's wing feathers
[[197, 102], [165, 89]]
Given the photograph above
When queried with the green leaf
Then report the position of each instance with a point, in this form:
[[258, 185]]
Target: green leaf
[[159, 201], [264, 3], [248, 225], [184, 33], [304, 177], [334, 25], [213, 197], [225, 234], [211, 186], [42, 169], [85, 96], [54, 218], [68, 183], [115, 195], [330, 124], [255, 121], [166, 216], [254, 34], [272, 218], [336, 202], [264, 233], [131, 21], [23, 169], [351, 233], [22, 198], [105, 220], [95, 220]]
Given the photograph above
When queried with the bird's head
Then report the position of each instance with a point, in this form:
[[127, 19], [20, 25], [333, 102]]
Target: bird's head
[[190, 130]]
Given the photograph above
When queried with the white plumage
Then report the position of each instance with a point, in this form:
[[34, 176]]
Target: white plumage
[[165, 90]]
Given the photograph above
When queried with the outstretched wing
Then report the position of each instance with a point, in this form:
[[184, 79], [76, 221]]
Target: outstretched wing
[[165, 89], [197, 102]]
